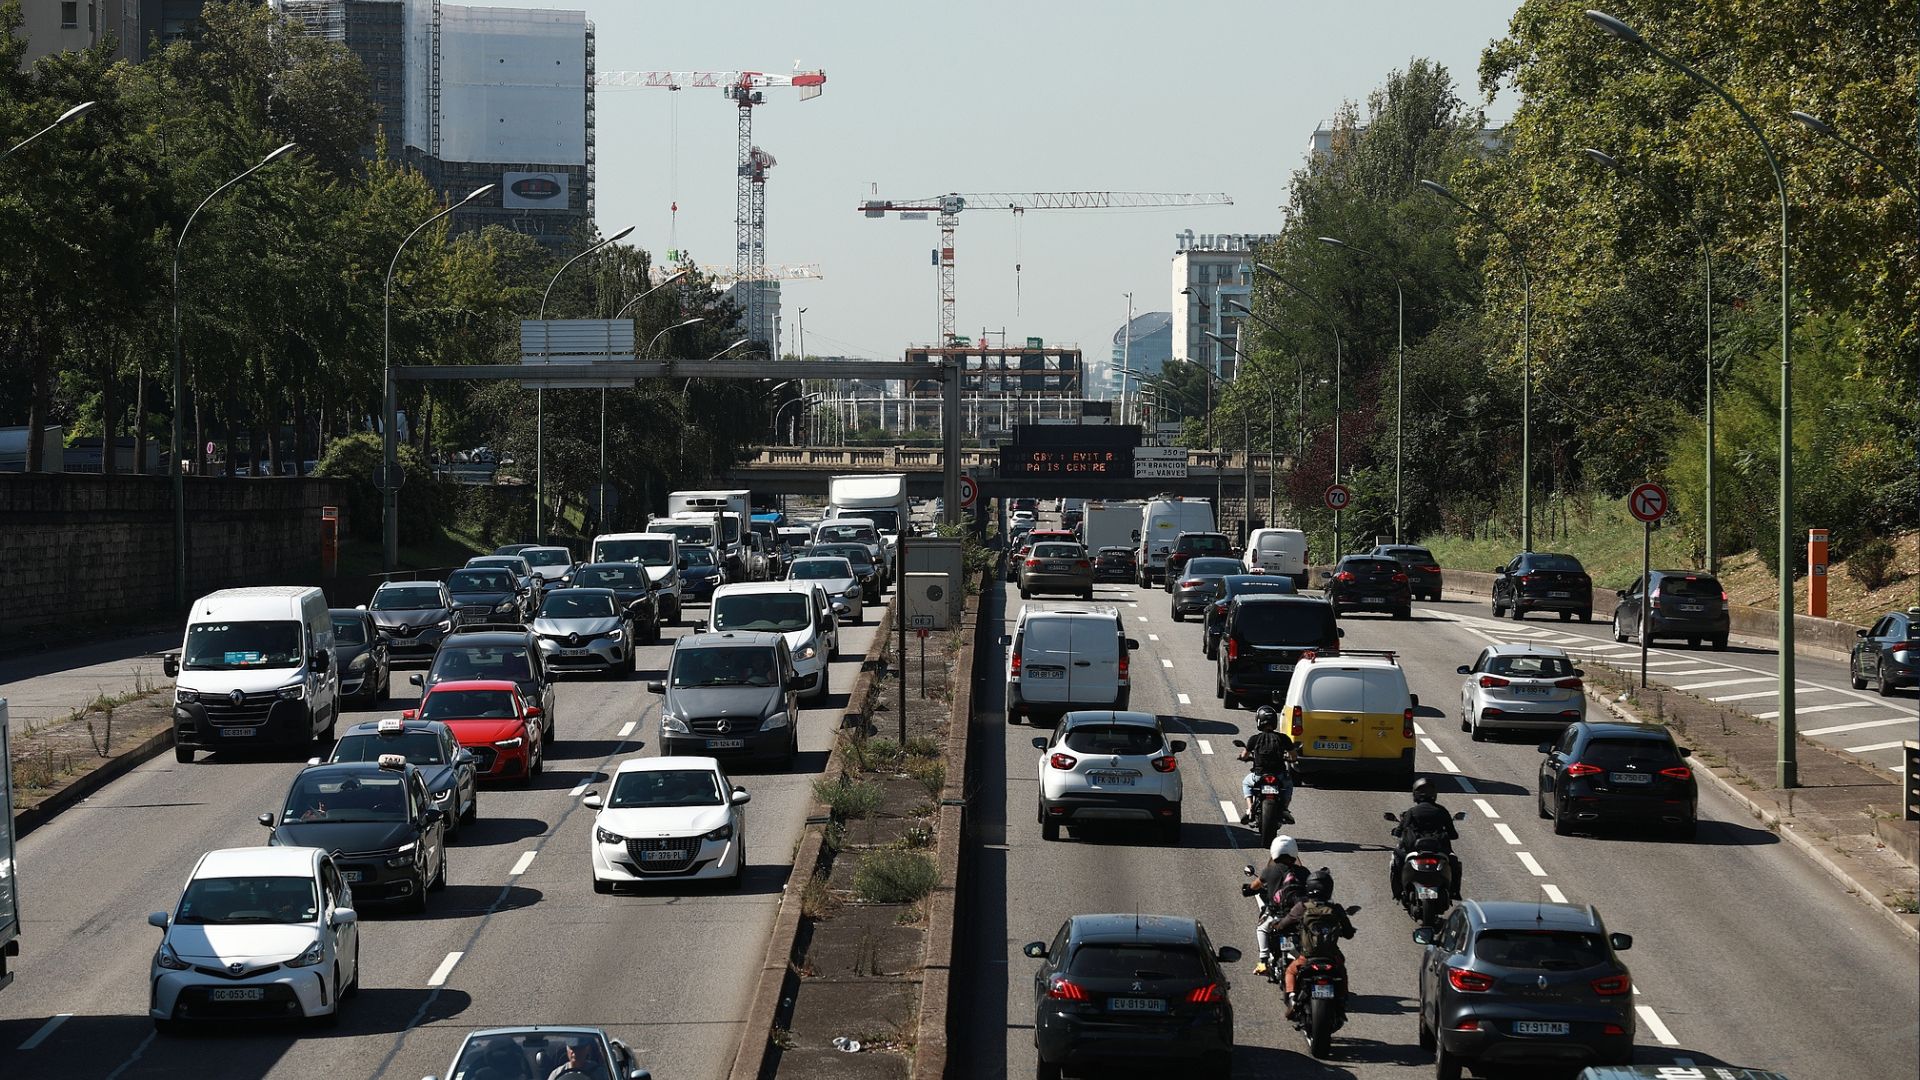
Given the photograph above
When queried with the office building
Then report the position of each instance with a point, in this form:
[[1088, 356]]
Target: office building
[[1141, 347], [1210, 272]]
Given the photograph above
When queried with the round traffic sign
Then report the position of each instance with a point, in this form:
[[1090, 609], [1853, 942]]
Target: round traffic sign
[[1339, 497], [1648, 502], [969, 492]]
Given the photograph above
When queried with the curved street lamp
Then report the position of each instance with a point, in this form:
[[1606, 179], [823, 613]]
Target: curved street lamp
[[66, 117], [1333, 324], [664, 282], [540, 394], [1399, 374]]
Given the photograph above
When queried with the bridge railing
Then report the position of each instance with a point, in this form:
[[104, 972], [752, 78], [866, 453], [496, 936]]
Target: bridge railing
[[930, 458]]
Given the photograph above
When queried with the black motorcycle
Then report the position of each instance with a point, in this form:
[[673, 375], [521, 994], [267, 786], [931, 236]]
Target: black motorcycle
[[1426, 880], [1271, 810], [1319, 996]]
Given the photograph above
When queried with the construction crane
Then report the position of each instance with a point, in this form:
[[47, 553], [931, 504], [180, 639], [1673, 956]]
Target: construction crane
[[947, 208], [745, 89]]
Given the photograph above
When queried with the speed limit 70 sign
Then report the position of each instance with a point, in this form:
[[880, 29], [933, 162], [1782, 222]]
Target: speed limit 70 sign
[[1339, 497], [969, 491]]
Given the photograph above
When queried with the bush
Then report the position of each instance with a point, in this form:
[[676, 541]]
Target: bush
[[931, 774], [873, 755], [355, 459], [1872, 564], [847, 799], [894, 875]]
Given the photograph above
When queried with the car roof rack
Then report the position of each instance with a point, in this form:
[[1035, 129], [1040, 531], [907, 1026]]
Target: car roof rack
[[1390, 655]]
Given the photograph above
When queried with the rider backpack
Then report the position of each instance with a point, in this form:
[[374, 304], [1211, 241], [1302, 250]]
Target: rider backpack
[[1320, 928]]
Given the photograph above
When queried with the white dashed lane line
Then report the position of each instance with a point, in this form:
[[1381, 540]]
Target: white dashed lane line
[[1432, 747], [439, 976], [1553, 892], [1863, 725], [1532, 864], [1722, 682], [1205, 746], [1872, 747], [1447, 763], [53, 1024], [626, 729], [1486, 808], [1802, 710], [1230, 812], [1652, 1020], [1418, 730], [1184, 699], [579, 789], [1164, 662], [520, 866], [1506, 833]]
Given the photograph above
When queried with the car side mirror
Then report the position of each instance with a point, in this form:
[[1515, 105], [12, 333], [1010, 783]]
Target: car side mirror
[[1227, 954], [639, 1074], [1500, 570], [1340, 631], [1179, 746], [1686, 751], [592, 801], [1621, 593], [345, 916], [322, 660], [533, 711], [1035, 950], [417, 679], [1579, 673], [407, 714], [1389, 816], [1006, 639], [464, 757], [656, 688], [741, 797], [1620, 942], [1039, 742], [171, 665], [1247, 869], [432, 814], [157, 919], [1136, 536], [1459, 815], [1423, 935], [360, 607], [313, 761], [700, 628], [1464, 669], [265, 820], [1544, 748], [1132, 644], [1326, 575], [1860, 633]]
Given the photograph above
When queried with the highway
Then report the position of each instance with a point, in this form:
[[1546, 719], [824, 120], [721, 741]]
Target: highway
[[517, 937], [1744, 953]]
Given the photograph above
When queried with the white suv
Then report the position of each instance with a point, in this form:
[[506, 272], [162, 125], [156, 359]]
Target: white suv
[[263, 932], [1521, 688], [1109, 766]]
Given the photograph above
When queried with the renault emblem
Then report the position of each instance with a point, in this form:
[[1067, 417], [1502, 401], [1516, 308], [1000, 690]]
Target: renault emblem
[[1541, 981], [573, 639], [238, 698]]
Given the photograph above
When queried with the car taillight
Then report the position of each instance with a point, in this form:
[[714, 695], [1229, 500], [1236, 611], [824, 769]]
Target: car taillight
[[1031, 563], [1063, 762], [1399, 579], [1655, 594], [1296, 722], [1613, 985], [1190, 583], [1526, 579], [1406, 724], [1491, 681], [1344, 575], [1677, 772], [1233, 648], [1165, 764], [1582, 769], [1124, 664], [1210, 994], [1220, 607], [1471, 982], [1568, 684], [1082, 563], [1468, 1024], [1063, 989], [1429, 569], [1016, 664], [1426, 864], [1613, 1029], [1902, 653]]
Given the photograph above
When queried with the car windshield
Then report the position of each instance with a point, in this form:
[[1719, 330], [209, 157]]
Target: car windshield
[[576, 604], [608, 577], [418, 747], [724, 667], [1531, 667], [859, 557], [547, 556], [1115, 552], [689, 533], [1639, 754], [1555, 562], [1204, 542], [1056, 551], [480, 581], [1100, 960], [1411, 555], [407, 598], [457, 661], [695, 556], [1271, 623], [1540, 950], [335, 799], [224, 646], [237, 901], [818, 569], [644, 552], [862, 533], [532, 1056], [665, 787], [1370, 566], [1257, 583], [761, 611], [348, 630], [1691, 586], [468, 705], [513, 564], [1132, 739], [1214, 567]]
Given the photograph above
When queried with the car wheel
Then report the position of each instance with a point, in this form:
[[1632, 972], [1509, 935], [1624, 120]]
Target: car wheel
[[353, 985], [1427, 1040], [417, 901], [1619, 635], [1517, 612], [184, 754], [1404, 613], [1049, 830], [1497, 610], [1688, 829], [1013, 718], [1446, 1066], [1566, 616], [1477, 732], [1561, 826], [1210, 648], [472, 812], [1586, 616], [739, 877], [1178, 615], [1045, 1070], [440, 876], [1853, 677], [1024, 594], [604, 888], [1885, 684], [1219, 686], [1465, 724], [1540, 805], [539, 763], [1693, 643], [1170, 830], [166, 1028]]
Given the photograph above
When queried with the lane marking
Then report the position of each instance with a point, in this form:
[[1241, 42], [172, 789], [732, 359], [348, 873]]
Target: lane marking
[[1432, 747], [1746, 697], [1700, 671], [520, 866], [1153, 637], [1532, 864], [1801, 711], [579, 789], [1837, 728], [1418, 730], [1487, 808], [1447, 763], [1553, 892], [53, 1024], [1183, 699], [1230, 812], [1506, 833], [138, 1052], [1205, 746], [1722, 682], [1466, 785], [1164, 662], [1654, 1025], [1870, 748], [626, 729], [1143, 618], [439, 976]]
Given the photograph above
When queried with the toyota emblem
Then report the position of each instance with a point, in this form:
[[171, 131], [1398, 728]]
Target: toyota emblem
[[236, 967], [238, 698]]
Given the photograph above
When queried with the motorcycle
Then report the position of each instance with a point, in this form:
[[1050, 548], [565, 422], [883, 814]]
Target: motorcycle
[[1319, 996], [1426, 880], [1272, 810]]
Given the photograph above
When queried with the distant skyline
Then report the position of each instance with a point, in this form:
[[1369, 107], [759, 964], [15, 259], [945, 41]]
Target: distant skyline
[[1064, 95]]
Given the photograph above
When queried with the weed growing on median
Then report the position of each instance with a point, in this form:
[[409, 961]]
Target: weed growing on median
[[894, 875], [1904, 903], [923, 746], [848, 799], [816, 900], [876, 754], [931, 774]]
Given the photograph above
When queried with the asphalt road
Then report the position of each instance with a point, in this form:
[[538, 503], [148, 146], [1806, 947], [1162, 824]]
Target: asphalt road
[[517, 937], [1744, 953]]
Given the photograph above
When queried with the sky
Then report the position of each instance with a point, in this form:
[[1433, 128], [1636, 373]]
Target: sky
[[987, 95]]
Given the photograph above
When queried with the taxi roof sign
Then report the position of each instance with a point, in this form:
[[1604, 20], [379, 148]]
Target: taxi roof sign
[[392, 725], [393, 761]]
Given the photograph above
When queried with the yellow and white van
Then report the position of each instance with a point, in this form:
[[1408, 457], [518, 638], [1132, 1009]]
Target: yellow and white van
[[1352, 713]]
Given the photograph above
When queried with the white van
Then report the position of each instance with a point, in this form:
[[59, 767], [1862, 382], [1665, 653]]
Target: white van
[[256, 668], [796, 609], [1162, 521], [1062, 659], [656, 552], [1279, 551]]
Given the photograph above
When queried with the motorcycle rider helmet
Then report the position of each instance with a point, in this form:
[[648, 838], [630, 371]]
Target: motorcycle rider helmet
[[1320, 884], [1266, 718], [1283, 845], [1423, 791]]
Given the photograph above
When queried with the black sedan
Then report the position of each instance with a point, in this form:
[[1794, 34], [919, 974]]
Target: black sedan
[[1198, 583], [1543, 581], [429, 746], [1369, 583], [1231, 586], [633, 590], [361, 651], [394, 843], [700, 574], [487, 595], [414, 617], [1127, 990], [1616, 772], [1888, 653], [863, 567]]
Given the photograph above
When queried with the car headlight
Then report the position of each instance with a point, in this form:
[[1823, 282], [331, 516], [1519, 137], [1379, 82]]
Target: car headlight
[[294, 692], [509, 744], [361, 662], [617, 635], [185, 697], [777, 720], [605, 837], [443, 794], [807, 652], [670, 722], [314, 954], [503, 607], [402, 856], [443, 625], [169, 959], [724, 832]]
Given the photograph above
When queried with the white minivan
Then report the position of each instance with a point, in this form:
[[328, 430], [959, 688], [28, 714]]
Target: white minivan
[[1062, 659], [656, 552], [797, 609], [1161, 522], [1279, 551], [256, 668]]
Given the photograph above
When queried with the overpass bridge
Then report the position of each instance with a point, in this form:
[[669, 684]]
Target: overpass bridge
[[803, 470]]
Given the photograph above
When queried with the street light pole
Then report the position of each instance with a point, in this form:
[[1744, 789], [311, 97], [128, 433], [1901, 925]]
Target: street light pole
[[389, 410], [1272, 444], [540, 392], [1246, 425], [179, 370], [65, 117], [1399, 382], [1338, 363], [1787, 750]]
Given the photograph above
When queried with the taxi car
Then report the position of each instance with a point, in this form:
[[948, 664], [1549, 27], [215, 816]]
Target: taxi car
[[1351, 713], [390, 842], [429, 746]]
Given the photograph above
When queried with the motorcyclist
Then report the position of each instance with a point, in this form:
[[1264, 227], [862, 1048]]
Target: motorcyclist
[[1279, 885], [1269, 750], [1425, 825], [1314, 906]]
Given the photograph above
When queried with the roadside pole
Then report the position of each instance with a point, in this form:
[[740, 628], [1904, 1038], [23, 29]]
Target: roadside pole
[[900, 620], [1648, 503]]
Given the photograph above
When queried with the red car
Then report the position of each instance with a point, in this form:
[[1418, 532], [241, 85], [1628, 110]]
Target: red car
[[492, 722]]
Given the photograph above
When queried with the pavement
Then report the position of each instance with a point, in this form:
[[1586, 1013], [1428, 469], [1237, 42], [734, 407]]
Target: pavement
[[43, 685], [1746, 951], [517, 937]]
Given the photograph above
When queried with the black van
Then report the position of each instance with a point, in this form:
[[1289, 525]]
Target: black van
[[1262, 636]]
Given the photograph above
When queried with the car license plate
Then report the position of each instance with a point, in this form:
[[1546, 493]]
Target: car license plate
[[1332, 744], [1114, 779], [1529, 691], [238, 732], [1373, 599], [1038, 672], [726, 744], [349, 876], [1539, 1027], [1323, 990], [1691, 607], [574, 652], [1630, 778], [1056, 567], [236, 993], [1137, 1005], [662, 855], [1279, 667]]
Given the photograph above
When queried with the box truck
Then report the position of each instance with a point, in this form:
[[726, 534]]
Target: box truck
[[735, 510], [1111, 524], [1162, 521]]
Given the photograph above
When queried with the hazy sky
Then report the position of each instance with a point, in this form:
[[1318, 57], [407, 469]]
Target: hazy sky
[[970, 95]]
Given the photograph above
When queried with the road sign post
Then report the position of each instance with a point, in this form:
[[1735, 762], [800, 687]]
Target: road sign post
[[1649, 504], [969, 491], [1338, 498]]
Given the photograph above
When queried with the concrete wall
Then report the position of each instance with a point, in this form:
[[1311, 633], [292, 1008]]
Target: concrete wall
[[86, 551]]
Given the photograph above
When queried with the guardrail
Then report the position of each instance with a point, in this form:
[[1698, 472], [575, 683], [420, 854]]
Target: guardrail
[[932, 459]]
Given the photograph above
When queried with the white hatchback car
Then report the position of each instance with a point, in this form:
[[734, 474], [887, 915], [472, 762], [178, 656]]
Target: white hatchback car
[[264, 933], [668, 819], [1109, 766], [1520, 688]]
